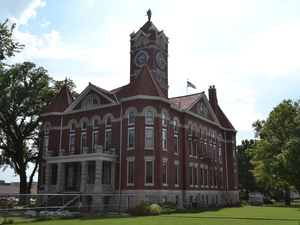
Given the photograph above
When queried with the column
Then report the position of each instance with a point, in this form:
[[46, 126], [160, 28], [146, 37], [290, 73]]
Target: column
[[98, 177], [84, 175], [60, 177], [113, 175], [48, 176]]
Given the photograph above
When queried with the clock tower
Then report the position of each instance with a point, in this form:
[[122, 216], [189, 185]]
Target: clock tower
[[151, 45]]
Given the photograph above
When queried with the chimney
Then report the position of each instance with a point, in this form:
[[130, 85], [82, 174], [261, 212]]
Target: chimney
[[213, 101]]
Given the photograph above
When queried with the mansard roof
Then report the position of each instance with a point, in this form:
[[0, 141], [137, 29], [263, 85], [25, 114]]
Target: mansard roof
[[185, 102], [145, 84], [61, 101]]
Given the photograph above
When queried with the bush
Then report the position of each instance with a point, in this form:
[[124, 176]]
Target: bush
[[155, 210], [268, 201], [243, 197], [167, 208], [143, 209], [8, 222]]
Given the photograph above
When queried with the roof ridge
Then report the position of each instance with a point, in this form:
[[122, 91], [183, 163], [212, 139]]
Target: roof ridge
[[188, 95]]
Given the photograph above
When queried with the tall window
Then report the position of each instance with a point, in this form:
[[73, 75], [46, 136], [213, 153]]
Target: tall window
[[72, 144], [235, 179], [216, 178], [149, 137], [209, 136], [210, 151], [190, 130], [165, 173], [131, 118], [215, 153], [47, 129], [221, 177], [70, 175], [164, 139], [234, 160], [175, 144], [175, 126], [149, 117], [191, 176], [72, 128], [43, 174], [130, 172], [164, 120], [131, 138], [176, 175], [190, 147], [220, 155], [83, 140], [220, 141], [201, 151], [46, 144], [149, 172], [95, 139], [195, 149], [206, 177], [205, 147], [202, 176], [205, 135], [107, 139], [211, 177], [196, 176], [214, 138]]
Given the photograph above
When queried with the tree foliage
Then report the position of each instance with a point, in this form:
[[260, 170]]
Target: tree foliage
[[7, 46], [276, 155], [247, 180]]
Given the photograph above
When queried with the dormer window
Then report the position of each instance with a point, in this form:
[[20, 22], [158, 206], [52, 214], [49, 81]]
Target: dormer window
[[108, 122], [92, 101], [84, 125]]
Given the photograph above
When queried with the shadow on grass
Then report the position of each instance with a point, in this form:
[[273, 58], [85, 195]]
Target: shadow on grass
[[283, 205]]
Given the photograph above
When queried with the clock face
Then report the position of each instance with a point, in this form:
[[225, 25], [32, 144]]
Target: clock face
[[140, 59], [160, 60]]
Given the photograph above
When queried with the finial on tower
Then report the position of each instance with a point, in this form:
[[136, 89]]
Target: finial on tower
[[66, 80], [149, 13]]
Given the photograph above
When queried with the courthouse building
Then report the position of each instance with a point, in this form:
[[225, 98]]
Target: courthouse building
[[136, 141]]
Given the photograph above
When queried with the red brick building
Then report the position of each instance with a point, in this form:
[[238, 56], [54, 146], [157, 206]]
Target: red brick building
[[137, 140]]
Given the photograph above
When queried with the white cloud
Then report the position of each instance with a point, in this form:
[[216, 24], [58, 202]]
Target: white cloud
[[29, 12], [45, 24]]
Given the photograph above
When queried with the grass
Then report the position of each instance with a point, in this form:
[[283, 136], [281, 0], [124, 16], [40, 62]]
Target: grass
[[267, 214]]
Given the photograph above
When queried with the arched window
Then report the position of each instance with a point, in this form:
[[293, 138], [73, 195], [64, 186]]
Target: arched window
[[131, 118], [214, 138], [84, 125], [175, 126], [96, 124], [164, 120], [149, 117], [108, 122], [209, 136], [47, 129], [93, 101], [73, 126]]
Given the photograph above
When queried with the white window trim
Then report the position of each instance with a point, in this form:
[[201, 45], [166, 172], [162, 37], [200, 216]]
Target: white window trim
[[175, 126], [216, 178], [71, 127], [82, 125], [220, 156], [94, 132], [195, 149], [107, 130], [190, 150], [234, 157], [130, 159], [152, 117], [166, 138], [81, 147], [94, 127], [149, 148], [196, 167], [176, 163], [211, 177], [106, 125], [191, 175], [164, 119], [130, 124], [46, 152], [202, 175], [130, 148], [71, 135]]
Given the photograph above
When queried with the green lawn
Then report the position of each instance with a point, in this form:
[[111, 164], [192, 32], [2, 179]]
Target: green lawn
[[274, 214]]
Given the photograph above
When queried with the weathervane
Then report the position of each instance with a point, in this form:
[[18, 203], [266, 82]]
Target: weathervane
[[149, 13]]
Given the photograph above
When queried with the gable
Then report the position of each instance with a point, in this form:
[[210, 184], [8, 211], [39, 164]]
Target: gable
[[88, 100], [201, 107]]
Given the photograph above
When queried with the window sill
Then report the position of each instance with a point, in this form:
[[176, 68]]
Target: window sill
[[165, 150], [149, 184], [196, 157], [191, 185], [149, 148], [176, 154], [176, 185], [129, 184], [165, 185], [196, 186], [129, 149]]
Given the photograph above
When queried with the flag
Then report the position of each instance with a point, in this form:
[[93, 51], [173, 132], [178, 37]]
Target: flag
[[189, 84]]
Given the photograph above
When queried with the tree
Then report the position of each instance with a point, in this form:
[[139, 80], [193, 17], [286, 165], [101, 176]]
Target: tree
[[276, 155], [247, 181], [24, 95], [7, 46]]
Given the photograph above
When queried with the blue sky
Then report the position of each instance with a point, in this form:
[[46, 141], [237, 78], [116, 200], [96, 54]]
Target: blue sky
[[248, 49]]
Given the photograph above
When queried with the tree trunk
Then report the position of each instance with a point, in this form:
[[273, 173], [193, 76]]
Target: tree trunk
[[23, 187], [287, 195]]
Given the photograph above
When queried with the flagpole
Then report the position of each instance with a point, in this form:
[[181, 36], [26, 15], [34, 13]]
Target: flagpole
[[187, 86]]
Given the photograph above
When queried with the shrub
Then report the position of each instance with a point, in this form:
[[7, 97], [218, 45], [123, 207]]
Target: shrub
[[268, 201], [155, 210], [8, 222], [143, 209], [243, 197]]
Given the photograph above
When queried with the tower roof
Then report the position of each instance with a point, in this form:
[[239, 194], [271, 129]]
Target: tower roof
[[146, 84], [61, 101]]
